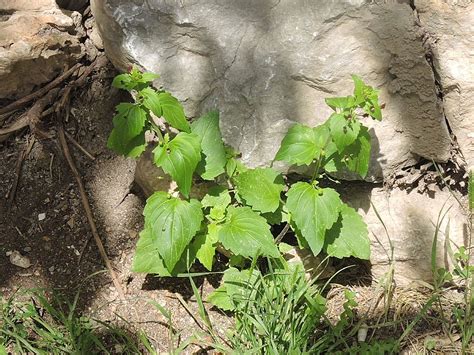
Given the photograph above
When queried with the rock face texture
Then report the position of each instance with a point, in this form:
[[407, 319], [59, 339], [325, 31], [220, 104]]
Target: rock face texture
[[36, 43], [449, 27], [410, 230], [267, 64]]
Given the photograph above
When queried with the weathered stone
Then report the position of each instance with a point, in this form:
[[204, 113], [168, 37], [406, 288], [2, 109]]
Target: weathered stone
[[410, 219], [19, 260], [267, 64], [315, 267], [450, 35], [35, 45]]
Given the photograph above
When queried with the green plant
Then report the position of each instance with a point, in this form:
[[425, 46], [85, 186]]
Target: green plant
[[281, 311], [235, 215], [50, 325], [462, 315], [275, 313]]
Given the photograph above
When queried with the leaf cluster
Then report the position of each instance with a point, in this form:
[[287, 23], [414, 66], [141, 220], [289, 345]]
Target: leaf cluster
[[236, 215]]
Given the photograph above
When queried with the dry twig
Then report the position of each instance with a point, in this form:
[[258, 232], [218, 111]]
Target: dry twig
[[63, 107], [87, 208], [80, 147], [39, 93], [31, 117], [21, 157]]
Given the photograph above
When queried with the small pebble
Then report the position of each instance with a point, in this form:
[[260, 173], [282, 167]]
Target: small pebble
[[362, 333], [41, 216], [70, 222], [51, 269], [27, 249], [19, 260]]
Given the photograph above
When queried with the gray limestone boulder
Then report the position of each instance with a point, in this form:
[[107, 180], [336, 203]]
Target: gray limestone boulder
[[267, 64], [410, 219]]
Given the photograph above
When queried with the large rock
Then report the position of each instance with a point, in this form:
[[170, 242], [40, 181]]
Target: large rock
[[37, 42], [450, 34], [411, 220], [267, 64]]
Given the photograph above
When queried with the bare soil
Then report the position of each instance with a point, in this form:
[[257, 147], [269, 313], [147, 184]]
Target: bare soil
[[60, 247]]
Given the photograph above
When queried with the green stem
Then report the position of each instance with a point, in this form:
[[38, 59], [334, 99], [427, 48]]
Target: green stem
[[318, 162], [316, 170], [157, 130]]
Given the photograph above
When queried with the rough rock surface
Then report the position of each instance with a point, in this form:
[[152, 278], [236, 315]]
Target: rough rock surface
[[36, 42], [410, 230], [449, 27], [267, 64]]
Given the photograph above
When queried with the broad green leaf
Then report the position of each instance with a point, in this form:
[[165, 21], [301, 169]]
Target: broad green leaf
[[123, 81], [358, 153], [355, 157], [149, 77], [230, 167], [173, 223], [348, 236], [207, 128], [343, 131], [359, 88], [372, 106], [133, 80], [260, 188], [173, 112], [339, 102], [314, 211], [239, 284], [179, 159], [206, 247], [367, 98], [133, 149], [277, 217], [128, 131], [147, 258], [303, 144], [216, 196], [247, 233], [221, 299], [217, 213], [151, 101], [330, 158]]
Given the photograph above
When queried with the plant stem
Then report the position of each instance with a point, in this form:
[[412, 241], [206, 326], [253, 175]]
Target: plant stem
[[157, 130], [316, 170], [318, 162]]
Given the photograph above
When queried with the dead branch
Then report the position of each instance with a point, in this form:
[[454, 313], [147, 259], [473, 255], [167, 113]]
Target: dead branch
[[80, 147], [31, 117], [63, 107], [40, 92], [21, 158], [87, 208]]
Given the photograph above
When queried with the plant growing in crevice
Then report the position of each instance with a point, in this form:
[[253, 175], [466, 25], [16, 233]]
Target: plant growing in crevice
[[236, 214]]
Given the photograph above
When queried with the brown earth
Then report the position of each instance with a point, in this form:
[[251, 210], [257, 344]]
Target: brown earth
[[60, 247]]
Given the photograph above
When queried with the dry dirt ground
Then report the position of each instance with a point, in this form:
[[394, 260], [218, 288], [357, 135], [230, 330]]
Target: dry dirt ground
[[47, 224]]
